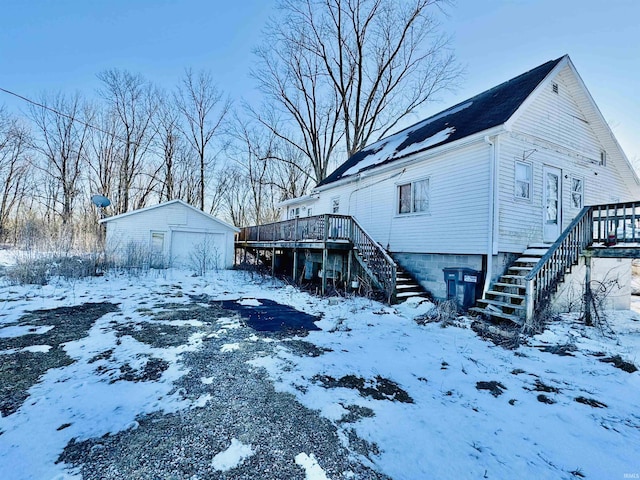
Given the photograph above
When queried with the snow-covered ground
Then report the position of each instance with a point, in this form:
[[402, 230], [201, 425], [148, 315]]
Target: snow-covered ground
[[458, 406]]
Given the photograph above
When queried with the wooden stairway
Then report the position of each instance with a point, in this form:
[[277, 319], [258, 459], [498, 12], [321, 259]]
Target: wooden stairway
[[506, 298]]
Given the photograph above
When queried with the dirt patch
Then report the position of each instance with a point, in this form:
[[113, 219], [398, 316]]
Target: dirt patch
[[591, 402], [618, 362], [21, 370], [379, 388], [542, 398], [564, 350], [539, 386], [496, 388]]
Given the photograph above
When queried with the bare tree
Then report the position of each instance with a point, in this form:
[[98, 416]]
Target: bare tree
[[204, 110], [14, 167], [63, 142], [133, 102], [350, 70]]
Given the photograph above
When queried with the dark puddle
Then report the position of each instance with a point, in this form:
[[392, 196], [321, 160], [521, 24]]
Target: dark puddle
[[271, 316]]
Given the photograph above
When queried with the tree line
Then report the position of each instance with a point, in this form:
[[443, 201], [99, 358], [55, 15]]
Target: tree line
[[334, 75]]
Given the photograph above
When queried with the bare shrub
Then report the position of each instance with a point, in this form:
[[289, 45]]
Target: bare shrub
[[204, 257], [445, 313]]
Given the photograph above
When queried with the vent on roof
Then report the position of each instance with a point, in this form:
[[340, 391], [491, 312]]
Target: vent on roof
[[554, 87]]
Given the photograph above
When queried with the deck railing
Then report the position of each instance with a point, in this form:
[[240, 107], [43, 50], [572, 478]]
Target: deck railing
[[607, 224], [330, 227]]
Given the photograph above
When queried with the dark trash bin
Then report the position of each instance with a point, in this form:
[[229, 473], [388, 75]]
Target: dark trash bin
[[464, 285]]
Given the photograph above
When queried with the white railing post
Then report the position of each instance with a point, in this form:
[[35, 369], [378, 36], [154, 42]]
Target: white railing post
[[529, 300]]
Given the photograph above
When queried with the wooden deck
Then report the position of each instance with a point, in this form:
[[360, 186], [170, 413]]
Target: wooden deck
[[325, 233]]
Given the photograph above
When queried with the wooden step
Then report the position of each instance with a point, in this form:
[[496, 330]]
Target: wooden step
[[516, 296], [535, 252], [514, 285], [496, 303], [498, 314], [546, 246], [521, 269], [513, 277], [528, 260]]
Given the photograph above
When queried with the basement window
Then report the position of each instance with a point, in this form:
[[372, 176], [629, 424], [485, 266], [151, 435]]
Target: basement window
[[523, 177], [413, 197]]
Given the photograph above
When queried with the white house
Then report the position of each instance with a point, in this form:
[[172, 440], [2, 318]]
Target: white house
[[477, 184], [173, 234]]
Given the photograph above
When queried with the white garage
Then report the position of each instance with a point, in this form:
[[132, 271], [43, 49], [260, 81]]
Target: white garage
[[171, 234]]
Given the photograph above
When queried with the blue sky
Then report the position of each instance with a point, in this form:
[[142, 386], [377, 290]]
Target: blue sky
[[62, 45]]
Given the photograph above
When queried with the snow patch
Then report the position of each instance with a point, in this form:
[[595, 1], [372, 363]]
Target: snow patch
[[21, 330], [229, 347], [233, 456], [313, 471], [387, 148]]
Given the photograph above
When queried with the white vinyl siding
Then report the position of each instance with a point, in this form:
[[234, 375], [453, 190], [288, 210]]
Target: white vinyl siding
[[457, 202], [155, 229]]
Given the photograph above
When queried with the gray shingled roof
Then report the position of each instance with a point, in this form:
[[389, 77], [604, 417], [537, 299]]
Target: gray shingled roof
[[482, 112]]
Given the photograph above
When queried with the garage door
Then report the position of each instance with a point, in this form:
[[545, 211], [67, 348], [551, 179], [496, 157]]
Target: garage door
[[197, 250]]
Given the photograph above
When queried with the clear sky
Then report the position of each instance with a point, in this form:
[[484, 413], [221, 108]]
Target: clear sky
[[48, 45]]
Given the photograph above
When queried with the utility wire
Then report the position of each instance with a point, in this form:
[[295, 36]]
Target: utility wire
[[73, 119]]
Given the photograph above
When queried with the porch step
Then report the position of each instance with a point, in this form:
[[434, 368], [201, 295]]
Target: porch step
[[497, 314], [497, 303], [528, 260], [496, 293], [506, 300], [512, 285]]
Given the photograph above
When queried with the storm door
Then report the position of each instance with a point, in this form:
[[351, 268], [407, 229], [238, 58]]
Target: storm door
[[551, 203]]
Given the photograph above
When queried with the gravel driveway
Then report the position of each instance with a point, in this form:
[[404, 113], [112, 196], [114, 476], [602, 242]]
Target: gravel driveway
[[242, 404]]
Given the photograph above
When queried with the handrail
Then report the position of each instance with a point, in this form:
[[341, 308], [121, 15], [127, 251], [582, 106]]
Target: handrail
[[332, 227], [378, 261], [541, 282], [608, 223]]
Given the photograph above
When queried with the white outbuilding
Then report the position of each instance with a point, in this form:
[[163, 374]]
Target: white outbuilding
[[174, 234]]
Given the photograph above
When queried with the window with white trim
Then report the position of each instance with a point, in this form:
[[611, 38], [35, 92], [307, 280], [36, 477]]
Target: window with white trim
[[577, 192], [523, 176], [413, 197]]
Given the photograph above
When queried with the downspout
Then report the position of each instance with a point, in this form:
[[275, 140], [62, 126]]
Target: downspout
[[493, 161]]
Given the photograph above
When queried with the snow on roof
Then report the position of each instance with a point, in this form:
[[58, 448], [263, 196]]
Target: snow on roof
[[482, 112]]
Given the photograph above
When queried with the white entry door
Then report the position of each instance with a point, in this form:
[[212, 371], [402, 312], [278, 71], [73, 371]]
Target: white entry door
[[552, 203]]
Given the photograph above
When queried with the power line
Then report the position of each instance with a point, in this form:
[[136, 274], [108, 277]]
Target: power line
[[74, 119]]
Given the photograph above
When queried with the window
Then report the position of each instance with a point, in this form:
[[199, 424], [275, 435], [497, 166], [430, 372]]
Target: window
[[523, 180], [577, 188], [335, 205], [603, 158], [413, 197]]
